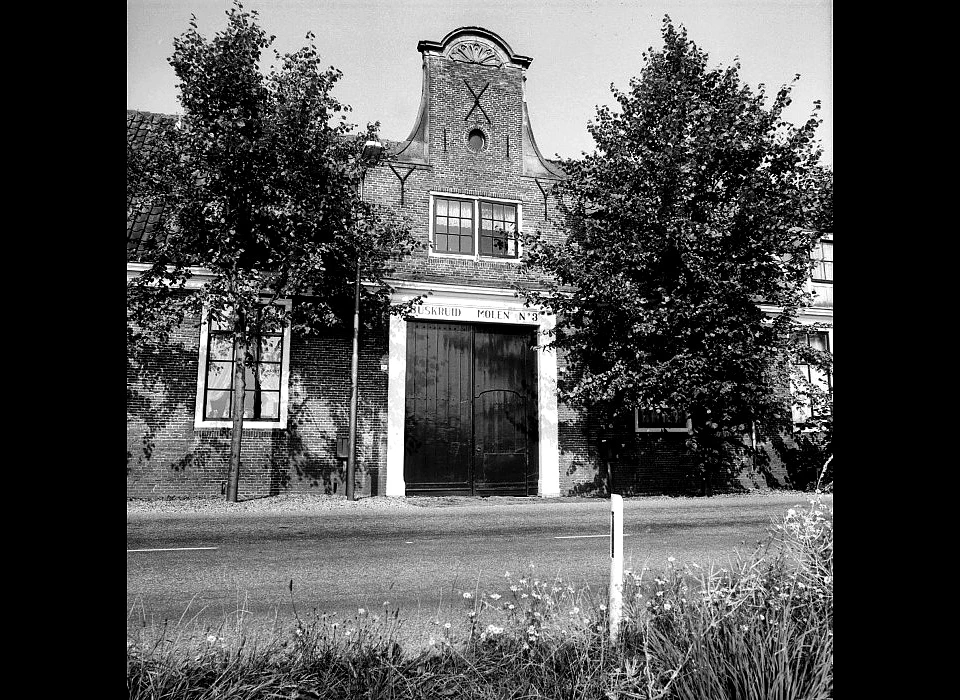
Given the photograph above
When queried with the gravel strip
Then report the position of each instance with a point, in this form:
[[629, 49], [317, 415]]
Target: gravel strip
[[315, 503], [284, 503]]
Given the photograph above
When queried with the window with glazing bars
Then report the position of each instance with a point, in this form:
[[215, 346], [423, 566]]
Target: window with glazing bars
[[457, 223], [810, 409], [823, 262], [453, 226], [498, 230], [262, 395]]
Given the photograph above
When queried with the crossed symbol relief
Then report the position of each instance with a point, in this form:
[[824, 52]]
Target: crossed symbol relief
[[476, 101]]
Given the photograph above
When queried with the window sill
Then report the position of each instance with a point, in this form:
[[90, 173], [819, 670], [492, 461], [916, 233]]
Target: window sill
[[247, 424], [474, 257], [661, 430]]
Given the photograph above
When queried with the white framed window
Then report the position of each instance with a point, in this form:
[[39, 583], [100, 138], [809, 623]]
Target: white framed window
[[654, 422], [823, 261], [810, 409], [267, 381], [475, 227]]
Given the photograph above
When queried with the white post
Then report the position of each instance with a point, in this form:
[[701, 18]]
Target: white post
[[396, 386], [616, 565]]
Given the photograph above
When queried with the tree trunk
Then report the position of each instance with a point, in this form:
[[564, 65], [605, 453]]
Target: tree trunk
[[239, 391]]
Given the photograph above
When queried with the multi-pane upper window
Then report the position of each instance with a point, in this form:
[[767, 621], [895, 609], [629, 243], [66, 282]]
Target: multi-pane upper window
[[823, 262], [498, 230], [453, 226], [464, 226], [264, 377], [811, 409]]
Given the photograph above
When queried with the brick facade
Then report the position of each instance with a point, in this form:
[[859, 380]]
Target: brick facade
[[472, 80], [168, 457]]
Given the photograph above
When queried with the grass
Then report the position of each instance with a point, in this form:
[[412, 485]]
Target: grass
[[760, 628]]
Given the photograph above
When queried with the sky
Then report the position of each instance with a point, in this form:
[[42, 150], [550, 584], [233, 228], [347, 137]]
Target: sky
[[579, 47]]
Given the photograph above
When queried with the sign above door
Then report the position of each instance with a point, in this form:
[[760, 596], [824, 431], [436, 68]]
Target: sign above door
[[472, 314]]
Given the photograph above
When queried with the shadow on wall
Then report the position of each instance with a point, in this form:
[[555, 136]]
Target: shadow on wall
[[655, 463], [611, 455], [596, 487], [796, 461], [157, 395], [665, 464], [293, 463], [305, 455], [165, 453], [212, 455]]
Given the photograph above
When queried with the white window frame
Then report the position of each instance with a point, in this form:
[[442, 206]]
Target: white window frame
[[819, 249], [804, 414], [637, 428], [475, 199], [281, 423]]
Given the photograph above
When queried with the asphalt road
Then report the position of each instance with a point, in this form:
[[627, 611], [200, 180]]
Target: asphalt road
[[420, 559]]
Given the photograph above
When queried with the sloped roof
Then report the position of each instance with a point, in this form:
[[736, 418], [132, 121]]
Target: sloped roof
[[142, 129]]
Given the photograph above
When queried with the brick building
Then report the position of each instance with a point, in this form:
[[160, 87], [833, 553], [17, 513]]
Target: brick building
[[452, 400]]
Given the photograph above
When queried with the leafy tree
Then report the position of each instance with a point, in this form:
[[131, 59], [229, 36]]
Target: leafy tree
[[259, 183], [697, 204]]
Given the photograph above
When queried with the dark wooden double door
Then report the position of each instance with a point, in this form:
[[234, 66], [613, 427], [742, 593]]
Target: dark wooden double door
[[471, 410]]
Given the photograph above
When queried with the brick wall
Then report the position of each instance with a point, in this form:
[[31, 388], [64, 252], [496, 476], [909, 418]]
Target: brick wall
[[496, 172], [168, 457]]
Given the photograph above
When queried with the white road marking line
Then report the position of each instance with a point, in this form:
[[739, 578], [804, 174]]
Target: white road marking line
[[171, 549], [583, 537]]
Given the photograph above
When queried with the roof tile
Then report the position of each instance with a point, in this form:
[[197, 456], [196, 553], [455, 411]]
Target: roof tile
[[141, 135]]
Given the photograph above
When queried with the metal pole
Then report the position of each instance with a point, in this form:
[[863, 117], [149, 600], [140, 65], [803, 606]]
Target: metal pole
[[354, 366], [616, 565]]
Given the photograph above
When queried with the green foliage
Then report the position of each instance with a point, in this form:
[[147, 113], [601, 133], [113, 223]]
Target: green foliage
[[259, 185], [259, 181], [698, 203]]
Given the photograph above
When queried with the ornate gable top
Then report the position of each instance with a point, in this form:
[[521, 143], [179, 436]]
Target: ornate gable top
[[475, 52], [475, 45]]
